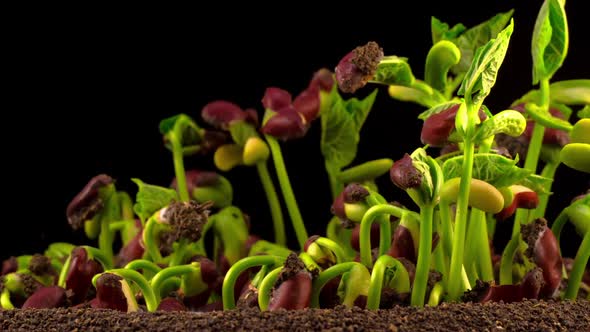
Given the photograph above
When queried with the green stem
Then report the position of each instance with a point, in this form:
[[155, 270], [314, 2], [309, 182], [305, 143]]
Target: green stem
[[268, 248], [482, 249], [169, 272], [100, 256], [365, 171], [340, 235], [148, 293], [325, 276], [559, 223], [548, 172], [265, 288], [63, 274], [534, 150], [143, 264], [440, 263], [334, 247], [179, 252], [461, 222], [336, 185], [273, 203], [436, 294], [506, 260], [424, 252], [107, 236], [447, 228], [5, 302], [309, 263], [381, 265], [177, 157], [384, 230], [234, 272], [287, 190], [149, 240], [578, 268]]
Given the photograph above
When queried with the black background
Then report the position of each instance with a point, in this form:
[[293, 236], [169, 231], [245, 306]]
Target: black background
[[90, 85]]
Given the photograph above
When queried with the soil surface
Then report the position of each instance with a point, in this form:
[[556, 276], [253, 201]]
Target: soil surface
[[524, 316]]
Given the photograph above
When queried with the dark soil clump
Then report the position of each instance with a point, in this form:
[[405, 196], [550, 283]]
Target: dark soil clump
[[523, 316]]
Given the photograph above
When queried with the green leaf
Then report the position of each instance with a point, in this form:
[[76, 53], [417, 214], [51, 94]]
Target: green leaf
[[570, 92], [168, 124], [584, 113], [185, 128], [441, 30], [394, 70], [508, 122], [537, 183], [151, 198], [495, 169], [468, 41], [341, 124], [482, 74], [437, 109], [550, 40], [546, 119], [241, 131]]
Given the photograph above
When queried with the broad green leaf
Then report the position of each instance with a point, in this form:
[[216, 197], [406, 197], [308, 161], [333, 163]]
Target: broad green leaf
[[441, 30], [151, 198], [495, 169], [341, 125], [468, 41], [546, 119], [550, 40], [508, 122], [437, 109], [416, 95], [241, 131], [537, 183], [394, 70], [482, 74]]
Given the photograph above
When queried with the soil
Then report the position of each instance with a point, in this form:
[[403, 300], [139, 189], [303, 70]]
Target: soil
[[523, 316]]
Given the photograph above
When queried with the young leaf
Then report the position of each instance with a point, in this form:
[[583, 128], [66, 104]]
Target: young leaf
[[495, 169], [188, 130], [437, 109], [341, 125], [550, 40], [569, 92], [482, 74], [468, 41], [508, 122], [546, 119], [394, 70], [584, 113], [151, 198], [241, 131]]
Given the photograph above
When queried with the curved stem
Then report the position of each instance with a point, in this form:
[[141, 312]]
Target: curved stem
[[5, 302], [325, 276], [63, 274], [578, 268], [334, 247], [287, 190], [365, 171], [179, 252], [461, 222], [143, 264], [273, 203], [436, 294], [424, 253], [169, 272], [268, 248], [506, 260], [309, 263], [548, 172], [381, 265], [177, 157], [149, 240], [234, 272], [265, 288], [148, 294], [365, 231], [340, 235], [100, 256]]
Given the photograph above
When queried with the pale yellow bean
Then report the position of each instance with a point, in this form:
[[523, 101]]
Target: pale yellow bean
[[482, 195]]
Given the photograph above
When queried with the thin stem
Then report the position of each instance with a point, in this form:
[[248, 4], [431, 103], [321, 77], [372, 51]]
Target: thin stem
[[169, 272], [177, 256], [506, 260], [424, 253], [107, 236], [234, 272], [461, 222], [149, 240], [482, 250], [340, 235], [548, 172], [63, 274], [336, 185], [99, 256], [265, 288], [381, 265], [273, 203], [309, 263], [578, 268], [334, 247], [177, 157], [5, 302], [268, 248], [534, 150], [143, 264], [287, 190], [325, 276], [365, 171], [446, 227], [148, 294], [365, 231], [436, 294], [440, 263], [559, 223]]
